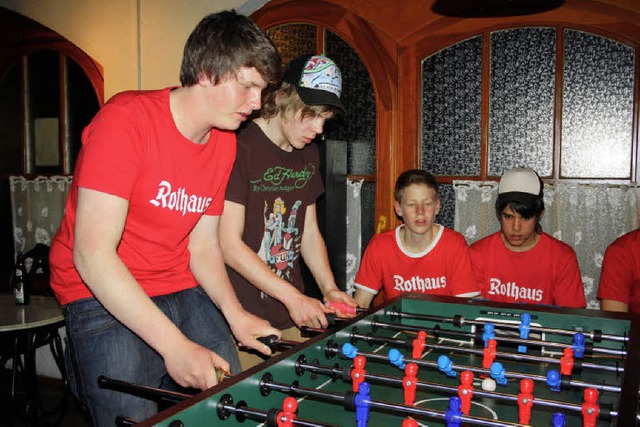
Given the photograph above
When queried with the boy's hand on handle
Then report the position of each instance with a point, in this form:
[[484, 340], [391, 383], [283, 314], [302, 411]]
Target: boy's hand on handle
[[248, 328], [194, 366], [308, 312], [343, 304], [342, 308]]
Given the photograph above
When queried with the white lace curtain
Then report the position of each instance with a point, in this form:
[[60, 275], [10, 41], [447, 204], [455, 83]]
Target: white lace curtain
[[37, 207], [586, 216], [354, 234]]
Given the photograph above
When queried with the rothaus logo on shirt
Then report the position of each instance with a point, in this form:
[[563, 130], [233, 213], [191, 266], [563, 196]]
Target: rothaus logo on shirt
[[179, 200], [418, 284], [511, 290]]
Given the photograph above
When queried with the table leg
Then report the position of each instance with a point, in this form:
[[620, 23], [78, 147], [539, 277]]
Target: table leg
[[25, 396], [14, 367], [33, 407]]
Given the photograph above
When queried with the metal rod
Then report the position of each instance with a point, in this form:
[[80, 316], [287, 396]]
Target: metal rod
[[156, 394], [501, 355], [448, 332], [498, 323]]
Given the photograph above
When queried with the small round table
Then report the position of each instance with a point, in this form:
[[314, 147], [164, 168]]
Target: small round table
[[41, 311], [27, 328]]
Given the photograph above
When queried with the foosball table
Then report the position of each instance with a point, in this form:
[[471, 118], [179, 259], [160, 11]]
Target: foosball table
[[438, 361]]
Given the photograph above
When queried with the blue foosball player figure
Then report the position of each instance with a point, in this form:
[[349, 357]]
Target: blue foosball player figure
[[578, 345], [362, 404], [489, 333], [558, 419], [396, 358], [525, 327], [349, 350], [497, 373], [446, 365], [553, 380], [453, 416]]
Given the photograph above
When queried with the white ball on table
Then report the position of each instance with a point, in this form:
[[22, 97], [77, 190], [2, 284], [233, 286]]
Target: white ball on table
[[488, 384]]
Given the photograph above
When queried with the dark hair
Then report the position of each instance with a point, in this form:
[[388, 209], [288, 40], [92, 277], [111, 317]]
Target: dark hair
[[525, 210], [224, 42], [290, 103], [414, 176]]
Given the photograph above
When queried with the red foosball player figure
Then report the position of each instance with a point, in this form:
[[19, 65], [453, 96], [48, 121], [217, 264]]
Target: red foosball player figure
[[590, 408], [409, 422], [358, 372], [489, 353], [418, 345], [288, 414], [465, 391], [566, 361], [409, 382], [525, 401]]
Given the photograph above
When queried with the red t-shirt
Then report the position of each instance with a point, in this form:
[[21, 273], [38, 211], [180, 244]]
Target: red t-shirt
[[443, 268], [620, 276], [548, 273], [132, 149]]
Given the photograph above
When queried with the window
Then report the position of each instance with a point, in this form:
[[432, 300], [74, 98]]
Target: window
[[558, 100]]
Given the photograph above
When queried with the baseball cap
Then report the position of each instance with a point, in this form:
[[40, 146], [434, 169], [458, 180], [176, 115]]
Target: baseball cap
[[317, 80], [521, 185]]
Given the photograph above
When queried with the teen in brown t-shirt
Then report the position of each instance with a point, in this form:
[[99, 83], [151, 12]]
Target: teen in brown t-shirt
[[269, 218]]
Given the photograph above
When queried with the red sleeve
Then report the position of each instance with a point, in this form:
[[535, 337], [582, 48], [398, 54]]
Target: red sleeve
[[568, 289], [616, 276], [105, 167], [463, 280], [478, 264], [369, 274]]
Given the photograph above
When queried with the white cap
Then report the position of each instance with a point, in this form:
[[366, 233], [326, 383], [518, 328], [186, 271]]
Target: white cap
[[520, 180], [521, 185]]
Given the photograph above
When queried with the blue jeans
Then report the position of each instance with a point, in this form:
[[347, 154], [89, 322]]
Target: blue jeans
[[100, 345]]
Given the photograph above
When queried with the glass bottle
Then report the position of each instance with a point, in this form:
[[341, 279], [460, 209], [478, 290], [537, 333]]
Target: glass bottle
[[39, 277], [19, 283]]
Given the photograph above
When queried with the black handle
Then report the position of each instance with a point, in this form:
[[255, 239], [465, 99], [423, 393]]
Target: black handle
[[269, 341], [156, 394]]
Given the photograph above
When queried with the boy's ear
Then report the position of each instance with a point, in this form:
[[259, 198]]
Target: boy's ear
[[397, 208], [438, 206], [278, 98], [204, 80]]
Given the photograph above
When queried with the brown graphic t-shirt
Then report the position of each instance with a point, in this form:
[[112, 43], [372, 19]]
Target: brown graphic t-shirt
[[275, 187]]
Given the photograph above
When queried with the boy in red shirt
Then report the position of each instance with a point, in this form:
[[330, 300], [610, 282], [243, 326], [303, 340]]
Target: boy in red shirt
[[419, 256], [520, 263], [136, 261], [620, 277]]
